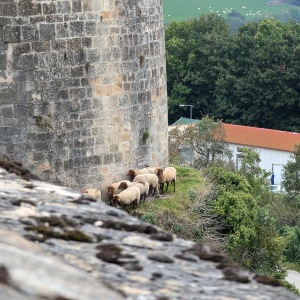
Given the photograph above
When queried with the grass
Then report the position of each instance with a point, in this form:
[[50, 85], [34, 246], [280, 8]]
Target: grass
[[174, 213], [178, 10]]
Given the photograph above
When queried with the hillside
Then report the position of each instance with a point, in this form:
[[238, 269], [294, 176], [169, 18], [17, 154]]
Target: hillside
[[59, 244], [177, 10]]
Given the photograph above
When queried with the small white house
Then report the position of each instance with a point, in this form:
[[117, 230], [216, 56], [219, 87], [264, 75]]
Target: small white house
[[275, 147]]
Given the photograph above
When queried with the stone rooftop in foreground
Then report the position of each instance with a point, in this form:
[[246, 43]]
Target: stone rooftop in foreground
[[57, 244]]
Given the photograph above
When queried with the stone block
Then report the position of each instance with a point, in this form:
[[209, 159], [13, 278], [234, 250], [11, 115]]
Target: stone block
[[71, 17], [6, 134], [76, 6], [3, 62], [62, 30], [74, 44], [29, 8], [77, 72], [27, 62], [12, 34], [49, 8], [29, 33], [9, 96], [7, 111], [36, 19], [84, 81], [86, 42], [5, 21], [54, 18], [80, 58], [47, 32], [63, 7], [90, 28], [63, 94], [21, 110], [9, 9], [21, 48], [76, 28], [42, 146], [38, 156], [74, 117], [58, 45]]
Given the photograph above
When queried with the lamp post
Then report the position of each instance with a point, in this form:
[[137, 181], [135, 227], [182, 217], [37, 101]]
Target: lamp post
[[191, 109]]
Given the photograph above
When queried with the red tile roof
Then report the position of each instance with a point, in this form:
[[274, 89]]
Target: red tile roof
[[260, 137]]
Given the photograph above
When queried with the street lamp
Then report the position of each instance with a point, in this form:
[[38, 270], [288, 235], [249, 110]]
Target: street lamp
[[191, 109]]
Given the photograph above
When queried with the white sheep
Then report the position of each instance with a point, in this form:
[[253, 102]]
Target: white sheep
[[152, 179], [167, 175], [116, 188], [147, 170], [95, 193], [144, 187], [128, 196]]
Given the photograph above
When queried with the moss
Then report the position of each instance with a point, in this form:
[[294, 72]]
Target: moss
[[109, 253], [142, 60], [264, 279], [48, 232], [43, 124], [56, 221], [236, 274], [141, 228], [4, 275], [61, 136], [162, 236], [112, 253], [78, 236], [17, 168], [84, 199], [146, 135], [29, 186], [87, 67], [20, 201]]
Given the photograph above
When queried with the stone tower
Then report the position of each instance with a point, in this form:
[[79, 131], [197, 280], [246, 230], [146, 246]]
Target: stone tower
[[83, 88]]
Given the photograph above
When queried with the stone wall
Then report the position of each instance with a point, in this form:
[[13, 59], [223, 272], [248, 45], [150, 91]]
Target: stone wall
[[81, 81]]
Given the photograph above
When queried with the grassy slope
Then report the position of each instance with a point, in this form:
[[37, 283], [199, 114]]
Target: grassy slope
[[177, 10], [174, 212]]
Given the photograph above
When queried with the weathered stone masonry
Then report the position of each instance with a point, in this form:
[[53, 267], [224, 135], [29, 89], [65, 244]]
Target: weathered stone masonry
[[81, 81]]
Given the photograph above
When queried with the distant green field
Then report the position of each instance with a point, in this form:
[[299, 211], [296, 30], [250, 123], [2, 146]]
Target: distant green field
[[177, 10]]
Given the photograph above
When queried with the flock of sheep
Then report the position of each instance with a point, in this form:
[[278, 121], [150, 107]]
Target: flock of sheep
[[142, 183]]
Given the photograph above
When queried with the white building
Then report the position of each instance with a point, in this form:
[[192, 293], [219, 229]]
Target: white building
[[274, 147]]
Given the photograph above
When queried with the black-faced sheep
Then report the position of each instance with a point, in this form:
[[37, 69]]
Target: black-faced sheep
[[148, 170], [95, 193], [129, 196], [152, 179], [116, 188], [167, 175]]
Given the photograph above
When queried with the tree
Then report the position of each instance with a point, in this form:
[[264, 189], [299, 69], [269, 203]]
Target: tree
[[291, 174], [195, 51], [249, 77], [207, 138], [249, 166], [253, 240], [261, 87], [176, 141]]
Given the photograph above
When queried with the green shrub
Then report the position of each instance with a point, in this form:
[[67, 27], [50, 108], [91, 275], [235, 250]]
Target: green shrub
[[148, 217], [292, 248]]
